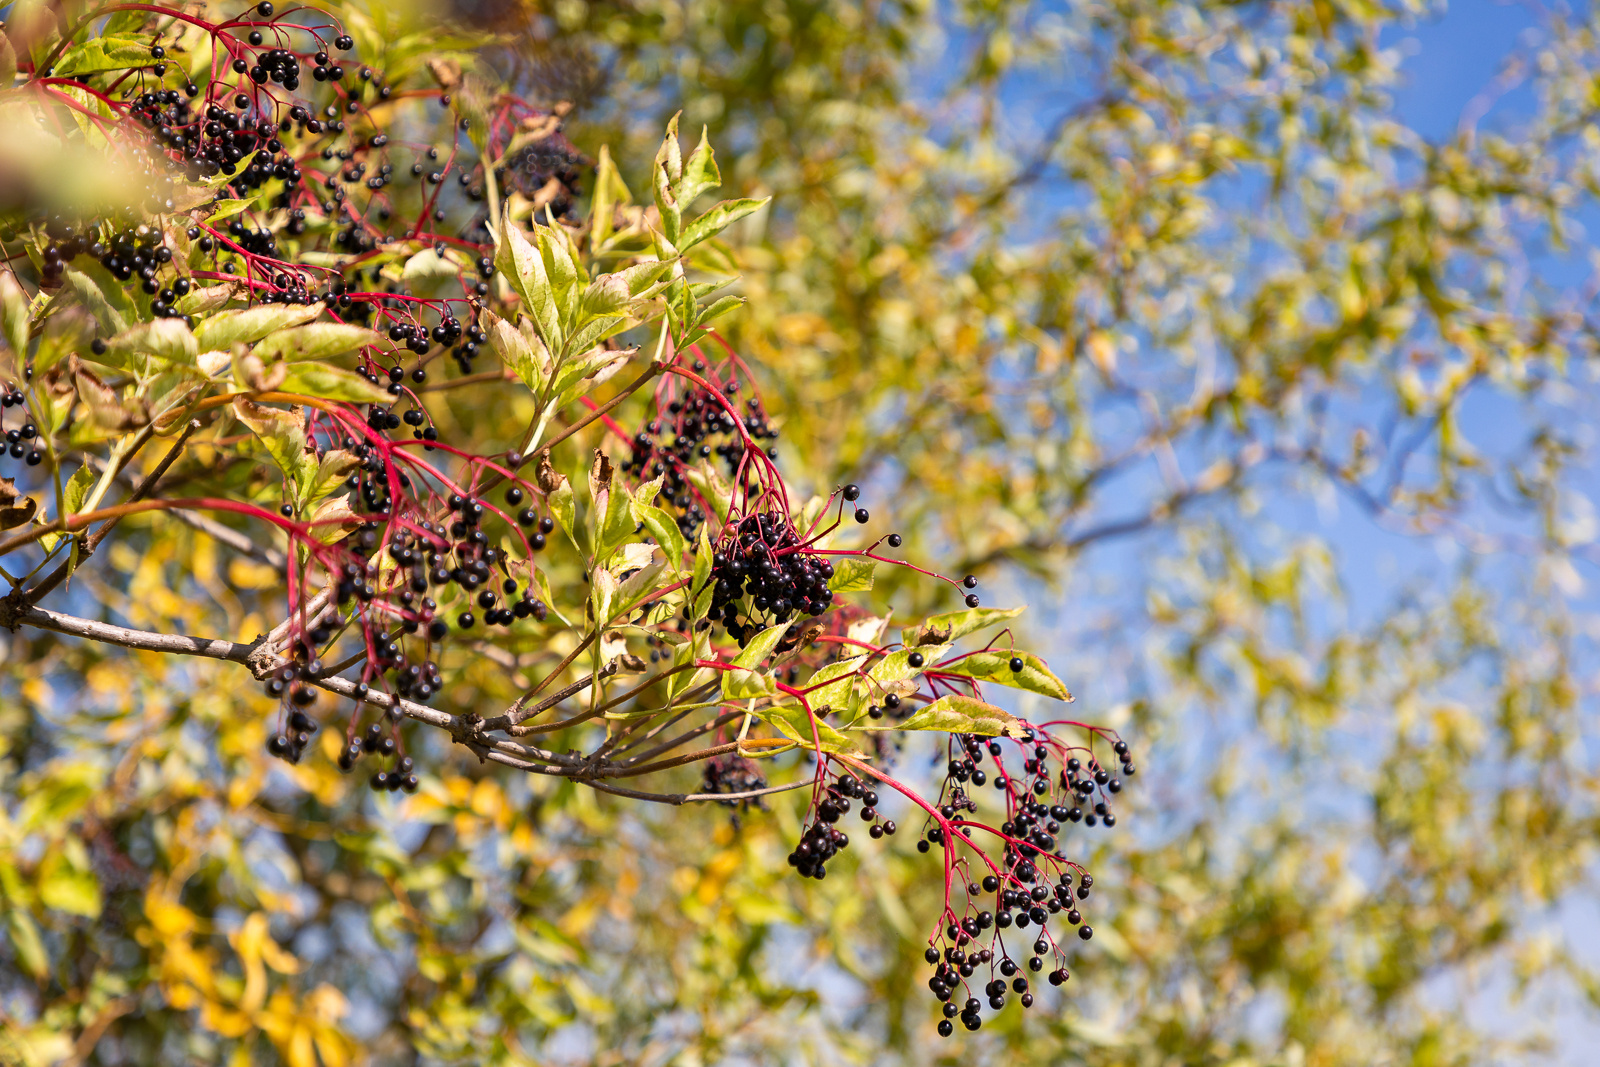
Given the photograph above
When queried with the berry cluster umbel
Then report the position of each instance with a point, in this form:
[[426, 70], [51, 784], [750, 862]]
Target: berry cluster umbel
[[762, 576], [701, 426]]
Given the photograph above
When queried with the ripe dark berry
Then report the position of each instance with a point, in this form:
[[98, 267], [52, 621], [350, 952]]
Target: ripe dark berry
[[344, 43], [513, 496], [970, 581], [1086, 932], [157, 52], [97, 346], [895, 541], [1016, 663], [264, 9], [287, 510], [546, 524], [465, 620], [862, 515], [945, 1029], [972, 600], [916, 659], [852, 492]]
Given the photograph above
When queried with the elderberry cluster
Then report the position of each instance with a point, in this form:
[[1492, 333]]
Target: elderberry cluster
[[821, 840], [733, 774], [20, 440], [700, 427], [761, 572], [218, 139], [376, 743], [287, 684], [532, 169], [1033, 885]]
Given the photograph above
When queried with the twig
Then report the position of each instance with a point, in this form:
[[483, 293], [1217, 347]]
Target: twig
[[606, 408], [695, 798], [92, 542]]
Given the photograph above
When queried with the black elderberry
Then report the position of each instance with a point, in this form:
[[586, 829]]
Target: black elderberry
[[852, 492], [1016, 663], [916, 659], [862, 515], [895, 541], [97, 346], [945, 1029], [344, 43], [1086, 932], [972, 600]]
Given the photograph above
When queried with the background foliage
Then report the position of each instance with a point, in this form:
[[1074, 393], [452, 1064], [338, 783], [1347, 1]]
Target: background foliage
[[1156, 308]]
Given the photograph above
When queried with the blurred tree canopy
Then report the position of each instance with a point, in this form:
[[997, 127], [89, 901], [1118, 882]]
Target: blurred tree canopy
[[1156, 311]]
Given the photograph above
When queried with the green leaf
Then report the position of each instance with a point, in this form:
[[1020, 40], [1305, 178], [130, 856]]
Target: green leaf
[[714, 488], [951, 626], [315, 341], [597, 364], [562, 507], [691, 651], [189, 195], [561, 270], [636, 588], [114, 52], [896, 666], [792, 721], [602, 593], [743, 683], [832, 685], [247, 325], [206, 299], [284, 435], [524, 268], [664, 528], [73, 494], [720, 308], [93, 297], [168, 340], [761, 645], [14, 308], [701, 587], [609, 192], [67, 884], [996, 667], [428, 267], [332, 469], [665, 177], [77, 489], [226, 209], [26, 943], [332, 383], [699, 172], [852, 575], [956, 714], [717, 219], [612, 516], [525, 355]]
